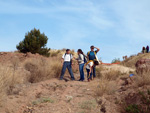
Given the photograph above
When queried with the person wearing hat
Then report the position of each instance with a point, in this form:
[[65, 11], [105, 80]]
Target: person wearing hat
[[92, 56], [67, 63]]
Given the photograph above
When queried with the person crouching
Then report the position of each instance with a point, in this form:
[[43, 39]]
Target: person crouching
[[89, 68]]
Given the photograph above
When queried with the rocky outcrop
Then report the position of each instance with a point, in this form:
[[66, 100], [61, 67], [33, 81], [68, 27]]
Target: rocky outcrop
[[142, 65]]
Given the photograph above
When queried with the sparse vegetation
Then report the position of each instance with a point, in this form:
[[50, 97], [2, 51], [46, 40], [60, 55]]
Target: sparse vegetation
[[142, 80], [107, 82], [112, 75], [99, 71], [42, 69], [116, 60], [106, 87], [43, 100], [133, 109], [88, 105], [141, 107]]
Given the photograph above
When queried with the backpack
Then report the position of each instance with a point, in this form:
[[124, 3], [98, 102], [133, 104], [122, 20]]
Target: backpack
[[96, 58], [85, 59]]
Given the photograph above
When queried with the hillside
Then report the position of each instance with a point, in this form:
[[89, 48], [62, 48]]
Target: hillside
[[29, 84], [131, 61]]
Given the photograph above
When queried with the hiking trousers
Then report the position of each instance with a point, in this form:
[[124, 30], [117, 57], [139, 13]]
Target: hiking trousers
[[89, 75], [94, 71], [69, 67], [81, 69]]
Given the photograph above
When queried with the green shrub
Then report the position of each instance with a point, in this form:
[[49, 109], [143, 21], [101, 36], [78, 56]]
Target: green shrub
[[133, 109], [34, 42], [116, 60]]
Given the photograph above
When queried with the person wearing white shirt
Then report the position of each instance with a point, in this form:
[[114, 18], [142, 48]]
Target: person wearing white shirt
[[67, 63]]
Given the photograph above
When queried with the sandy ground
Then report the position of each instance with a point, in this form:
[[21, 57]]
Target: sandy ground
[[52, 96]]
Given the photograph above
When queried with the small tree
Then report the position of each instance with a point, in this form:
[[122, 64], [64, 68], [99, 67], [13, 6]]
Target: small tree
[[116, 60], [34, 42]]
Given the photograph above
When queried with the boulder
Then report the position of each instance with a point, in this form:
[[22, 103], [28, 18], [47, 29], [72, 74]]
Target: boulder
[[142, 65]]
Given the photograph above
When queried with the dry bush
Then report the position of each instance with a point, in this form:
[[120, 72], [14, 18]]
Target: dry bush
[[10, 75], [99, 71], [42, 69], [54, 53], [142, 80], [112, 75], [5, 80], [107, 83], [56, 68], [106, 87]]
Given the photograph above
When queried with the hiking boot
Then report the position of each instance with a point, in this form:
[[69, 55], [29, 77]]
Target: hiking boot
[[61, 79], [93, 78], [73, 79]]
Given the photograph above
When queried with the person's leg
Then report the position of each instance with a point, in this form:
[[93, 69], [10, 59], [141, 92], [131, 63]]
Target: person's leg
[[80, 69], [63, 70], [69, 67], [91, 75], [88, 73], [94, 73]]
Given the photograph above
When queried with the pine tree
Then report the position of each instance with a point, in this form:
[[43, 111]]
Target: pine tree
[[34, 42]]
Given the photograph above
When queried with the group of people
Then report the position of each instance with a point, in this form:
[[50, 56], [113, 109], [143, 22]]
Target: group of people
[[90, 60], [145, 49]]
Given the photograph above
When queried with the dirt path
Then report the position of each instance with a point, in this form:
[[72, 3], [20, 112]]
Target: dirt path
[[55, 96], [52, 96]]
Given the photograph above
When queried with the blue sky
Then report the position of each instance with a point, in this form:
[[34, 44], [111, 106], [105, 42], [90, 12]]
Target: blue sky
[[117, 27]]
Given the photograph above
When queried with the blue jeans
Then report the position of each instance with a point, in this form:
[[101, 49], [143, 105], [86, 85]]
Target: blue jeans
[[89, 75], [69, 67], [94, 71], [81, 67]]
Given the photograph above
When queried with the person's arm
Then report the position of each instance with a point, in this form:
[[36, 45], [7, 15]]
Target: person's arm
[[62, 59], [87, 55], [97, 49], [91, 66], [90, 69]]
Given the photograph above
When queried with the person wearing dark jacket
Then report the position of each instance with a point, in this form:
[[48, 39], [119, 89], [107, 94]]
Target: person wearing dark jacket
[[147, 49]]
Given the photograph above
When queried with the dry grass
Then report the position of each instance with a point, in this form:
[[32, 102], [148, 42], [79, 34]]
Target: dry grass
[[42, 69], [106, 87], [112, 75], [10, 75], [99, 71], [130, 62], [107, 83], [142, 80], [32, 70], [55, 53], [5, 79]]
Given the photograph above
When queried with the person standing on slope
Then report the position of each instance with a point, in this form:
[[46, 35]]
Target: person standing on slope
[[81, 62], [92, 56], [89, 67], [147, 49], [67, 63]]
